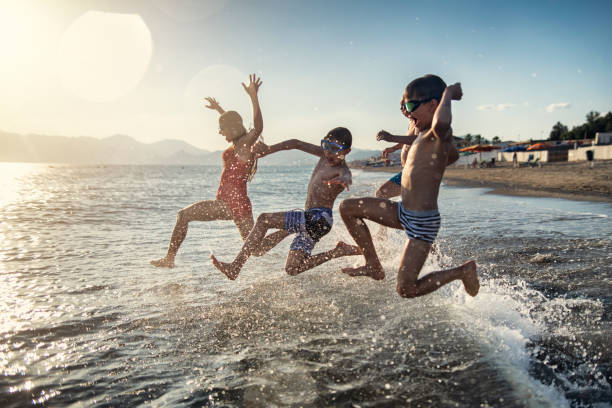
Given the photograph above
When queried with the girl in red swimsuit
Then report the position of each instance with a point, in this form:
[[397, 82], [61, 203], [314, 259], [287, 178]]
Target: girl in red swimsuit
[[232, 201]]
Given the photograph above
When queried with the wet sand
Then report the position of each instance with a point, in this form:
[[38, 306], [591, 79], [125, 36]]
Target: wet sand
[[574, 181]]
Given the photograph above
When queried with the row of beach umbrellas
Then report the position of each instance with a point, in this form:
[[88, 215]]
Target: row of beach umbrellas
[[487, 148]]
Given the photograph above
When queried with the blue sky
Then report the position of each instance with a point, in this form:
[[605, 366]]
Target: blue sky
[[523, 66]]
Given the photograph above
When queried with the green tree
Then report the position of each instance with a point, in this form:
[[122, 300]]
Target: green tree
[[477, 139], [467, 139], [496, 140], [558, 131]]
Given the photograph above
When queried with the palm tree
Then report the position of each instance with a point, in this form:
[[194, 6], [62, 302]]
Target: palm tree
[[467, 139], [496, 140], [477, 139]]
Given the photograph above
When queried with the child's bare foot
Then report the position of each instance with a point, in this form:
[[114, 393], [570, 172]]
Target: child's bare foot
[[470, 278], [344, 249], [226, 268], [163, 262], [376, 273]]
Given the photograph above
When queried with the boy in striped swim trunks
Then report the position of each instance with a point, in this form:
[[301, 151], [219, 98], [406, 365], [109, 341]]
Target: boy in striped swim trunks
[[329, 178], [427, 103]]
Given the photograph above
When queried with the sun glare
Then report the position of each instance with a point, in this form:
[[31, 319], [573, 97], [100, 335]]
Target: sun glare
[[103, 56], [25, 34]]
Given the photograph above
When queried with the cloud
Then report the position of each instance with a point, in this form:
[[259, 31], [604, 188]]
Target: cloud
[[504, 106], [499, 107], [557, 106]]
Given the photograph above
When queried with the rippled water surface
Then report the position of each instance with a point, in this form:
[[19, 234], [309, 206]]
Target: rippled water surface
[[86, 321]]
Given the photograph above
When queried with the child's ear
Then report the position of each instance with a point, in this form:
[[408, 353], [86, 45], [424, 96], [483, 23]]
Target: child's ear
[[434, 104], [346, 151]]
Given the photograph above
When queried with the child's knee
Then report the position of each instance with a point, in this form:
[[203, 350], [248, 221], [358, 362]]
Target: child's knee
[[292, 270], [381, 192], [407, 291], [294, 266], [263, 218], [347, 206]]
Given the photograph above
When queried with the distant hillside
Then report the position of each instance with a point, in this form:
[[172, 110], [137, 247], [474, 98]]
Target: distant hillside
[[117, 149], [122, 149]]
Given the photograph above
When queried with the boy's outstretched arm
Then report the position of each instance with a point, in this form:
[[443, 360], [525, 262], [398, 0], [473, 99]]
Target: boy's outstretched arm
[[252, 89], [388, 137], [401, 140], [442, 118], [386, 152], [261, 149]]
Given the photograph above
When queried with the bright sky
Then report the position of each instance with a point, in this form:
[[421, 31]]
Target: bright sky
[[142, 67]]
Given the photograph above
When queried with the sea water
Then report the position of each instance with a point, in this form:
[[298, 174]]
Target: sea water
[[87, 321]]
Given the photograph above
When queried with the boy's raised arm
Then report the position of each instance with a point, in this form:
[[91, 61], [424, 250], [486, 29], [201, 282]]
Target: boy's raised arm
[[261, 149], [442, 118]]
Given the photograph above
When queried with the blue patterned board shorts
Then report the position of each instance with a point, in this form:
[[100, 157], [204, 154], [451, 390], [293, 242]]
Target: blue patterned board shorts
[[310, 226], [397, 179], [423, 225]]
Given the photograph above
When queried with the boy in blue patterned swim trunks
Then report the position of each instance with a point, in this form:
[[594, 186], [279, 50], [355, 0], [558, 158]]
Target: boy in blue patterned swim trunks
[[427, 103], [329, 178]]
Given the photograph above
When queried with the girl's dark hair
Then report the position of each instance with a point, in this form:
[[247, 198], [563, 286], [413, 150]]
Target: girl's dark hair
[[342, 135]]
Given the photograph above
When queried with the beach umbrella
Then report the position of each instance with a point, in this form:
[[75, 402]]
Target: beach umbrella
[[479, 148], [538, 146], [515, 149]]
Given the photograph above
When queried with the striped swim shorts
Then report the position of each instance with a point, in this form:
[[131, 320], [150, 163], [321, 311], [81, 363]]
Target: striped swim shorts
[[423, 225]]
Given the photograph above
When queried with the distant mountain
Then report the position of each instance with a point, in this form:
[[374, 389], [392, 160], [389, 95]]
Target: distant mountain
[[117, 149], [122, 149]]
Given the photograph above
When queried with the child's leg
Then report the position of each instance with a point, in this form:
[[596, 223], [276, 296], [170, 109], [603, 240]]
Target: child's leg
[[245, 225], [200, 211], [413, 258], [379, 210], [253, 243], [299, 261], [388, 190]]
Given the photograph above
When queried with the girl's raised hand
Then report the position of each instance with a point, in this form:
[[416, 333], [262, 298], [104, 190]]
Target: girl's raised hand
[[254, 84], [212, 103]]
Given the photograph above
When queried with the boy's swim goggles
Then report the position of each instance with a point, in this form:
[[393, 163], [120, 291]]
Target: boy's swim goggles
[[411, 106], [331, 147]]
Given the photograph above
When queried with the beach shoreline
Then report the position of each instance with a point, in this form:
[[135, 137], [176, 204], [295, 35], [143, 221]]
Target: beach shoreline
[[567, 180]]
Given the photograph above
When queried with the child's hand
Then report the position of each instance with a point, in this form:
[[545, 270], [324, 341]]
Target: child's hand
[[382, 135], [254, 84], [343, 181], [385, 153], [455, 91], [212, 103], [260, 149]]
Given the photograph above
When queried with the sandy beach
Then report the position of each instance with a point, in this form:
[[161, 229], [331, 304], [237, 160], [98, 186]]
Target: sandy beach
[[575, 181]]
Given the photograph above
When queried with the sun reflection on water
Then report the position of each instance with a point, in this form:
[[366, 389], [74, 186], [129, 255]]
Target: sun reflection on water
[[12, 178]]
